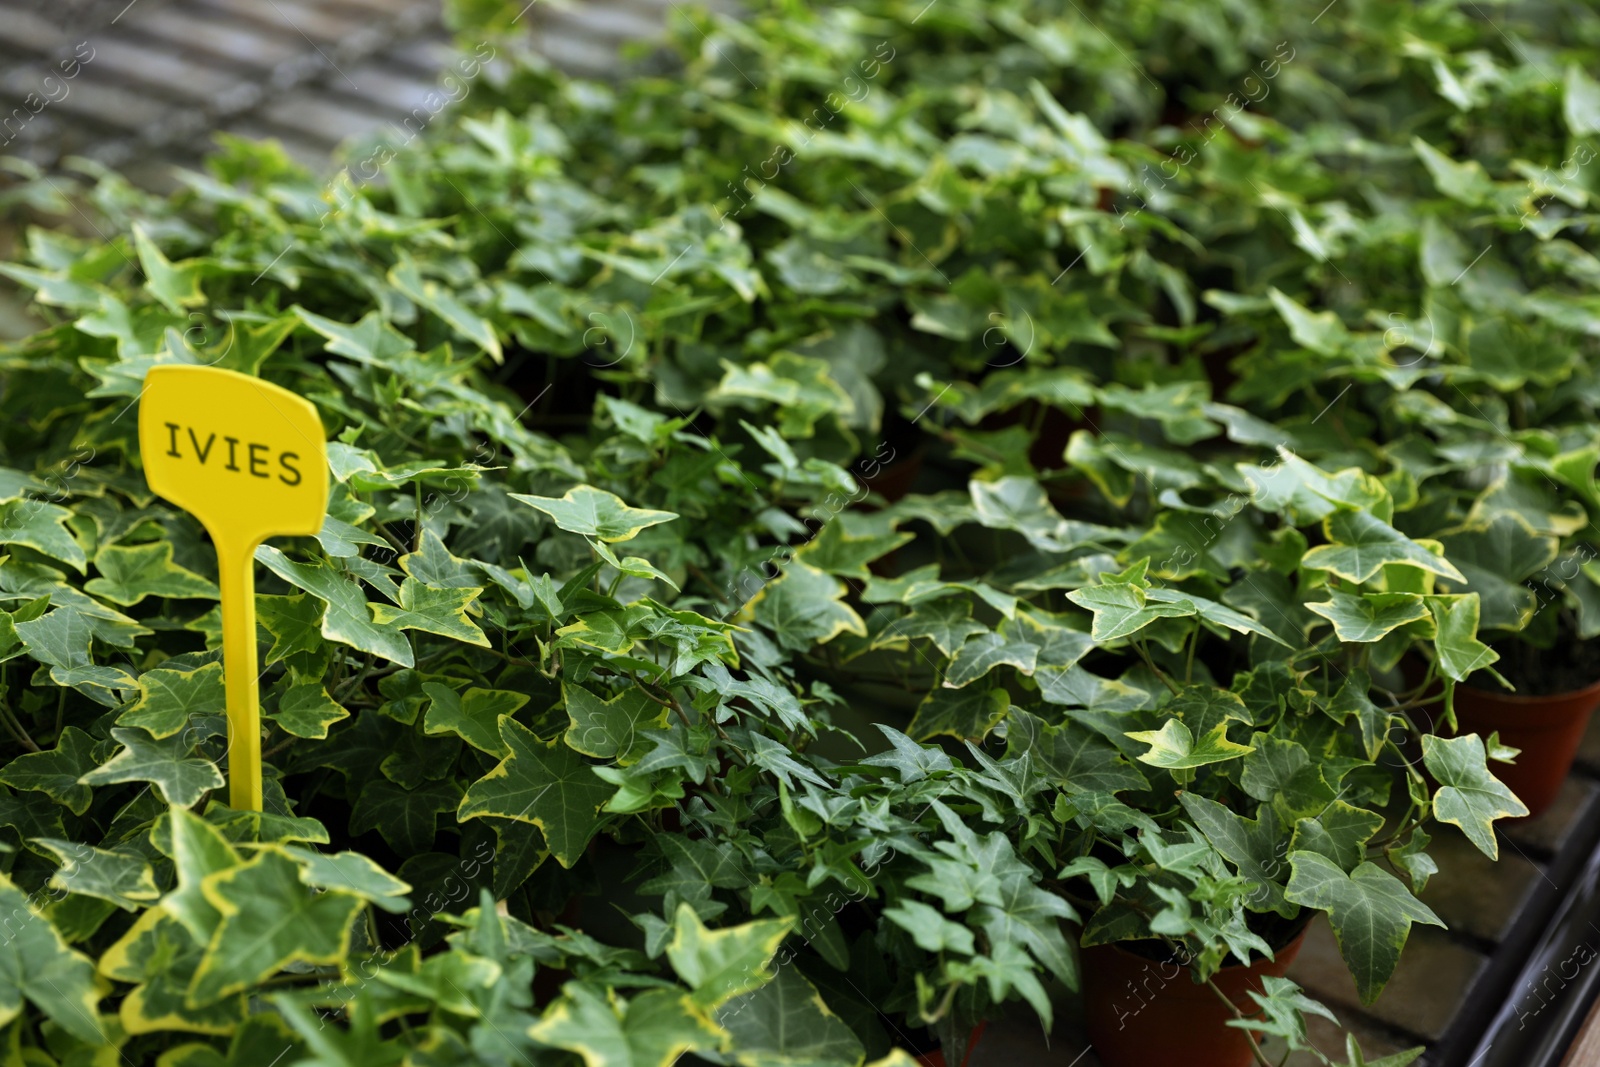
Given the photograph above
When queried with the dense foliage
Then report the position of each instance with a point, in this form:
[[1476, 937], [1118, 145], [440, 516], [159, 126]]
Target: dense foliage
[[813, 535]]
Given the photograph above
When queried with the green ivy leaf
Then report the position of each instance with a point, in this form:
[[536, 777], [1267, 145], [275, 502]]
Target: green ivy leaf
[[1370, 910], [407, 818], [181, 778], [592, 512], [1469, 796], [129, 573], [546, 784], [176, 286], [1251, 845]]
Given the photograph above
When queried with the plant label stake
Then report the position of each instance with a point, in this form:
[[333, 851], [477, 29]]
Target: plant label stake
[[248, 459]]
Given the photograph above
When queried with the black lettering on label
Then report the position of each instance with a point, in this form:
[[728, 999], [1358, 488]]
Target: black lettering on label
[[198, 451], [258, 464], [258, 455]]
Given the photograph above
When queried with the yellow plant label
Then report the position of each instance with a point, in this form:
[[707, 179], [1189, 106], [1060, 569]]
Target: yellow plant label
[[249, 460]]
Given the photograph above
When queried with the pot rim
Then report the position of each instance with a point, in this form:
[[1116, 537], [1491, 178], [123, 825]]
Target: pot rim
[[1592, 689], [1279, 951]]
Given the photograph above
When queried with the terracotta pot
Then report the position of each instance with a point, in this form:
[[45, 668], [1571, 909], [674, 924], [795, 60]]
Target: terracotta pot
[[1141, 1012], [1548, 729], [936, 1057]]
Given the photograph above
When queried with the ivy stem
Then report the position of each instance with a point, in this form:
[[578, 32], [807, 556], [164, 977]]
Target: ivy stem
[[1255, 1048], [1148, 662], [15, 727], [1188, 667]]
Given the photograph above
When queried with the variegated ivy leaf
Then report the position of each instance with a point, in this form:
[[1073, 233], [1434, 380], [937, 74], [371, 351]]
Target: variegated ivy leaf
[[1455, 623], [437, 298], [168, 764], [159, 957], [985, 652], [1469, 796], [473, 716], [652, 1029], [1362, 544], [1370, 616], [1021, 504], [969, 713], [787, 1021], [366, 473], [592, 512], [1174, 748], [947, 623], [123, 878], [611, 729], [1213, 612], [170, 699], [548, 785], [36, 965], [42, 527], [1370, 911], [803, 607], [1340, 832], [849, 542], [1121, 605], [270, 918], [56, 771], [432, 610], [302, 706], [1071, 755], [348, 617], [129, 573], [1307, 494], [722, 964], [175, 285]]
